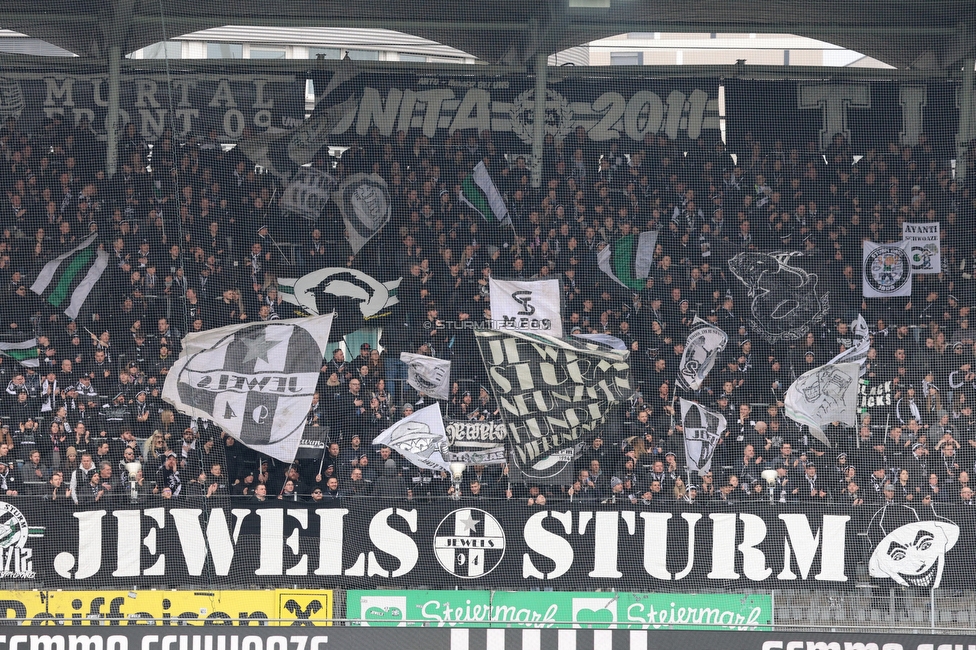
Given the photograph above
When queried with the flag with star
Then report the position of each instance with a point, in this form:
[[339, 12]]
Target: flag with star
[[253, 380]]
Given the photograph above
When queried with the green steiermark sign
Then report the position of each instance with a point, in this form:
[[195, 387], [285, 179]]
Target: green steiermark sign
[[553, 609]]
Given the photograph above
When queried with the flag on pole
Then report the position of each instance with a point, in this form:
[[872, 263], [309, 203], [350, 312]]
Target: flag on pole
[[479, 193], [254, 380], [67, 280], [429, 375], [628, 261], [24, 353], [702, 430], [283, 151], [705, 342], [858, 352], [420, 438], [824, 395]]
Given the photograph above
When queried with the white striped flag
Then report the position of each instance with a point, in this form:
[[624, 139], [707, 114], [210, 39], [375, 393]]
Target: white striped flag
[[24, 352], [479, 193], [67, 280]]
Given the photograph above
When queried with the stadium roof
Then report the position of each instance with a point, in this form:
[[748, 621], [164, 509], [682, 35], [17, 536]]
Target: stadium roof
[[929, 35]]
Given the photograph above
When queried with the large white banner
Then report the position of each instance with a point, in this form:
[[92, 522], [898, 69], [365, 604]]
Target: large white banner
[[886, 270], [925, 248], [526, 306]]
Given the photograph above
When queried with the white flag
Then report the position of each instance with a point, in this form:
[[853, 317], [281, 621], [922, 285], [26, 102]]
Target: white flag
[[255, 380], [925, 246], [420, 438], [429, 375], [526, 306], [702, 429], [705, 342], [858, 353], [886, 270], [824, 395]]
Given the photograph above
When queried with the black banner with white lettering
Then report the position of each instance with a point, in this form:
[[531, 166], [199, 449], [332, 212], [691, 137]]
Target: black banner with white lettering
[[868, 114], [196, 103], [485, 544], [608, 109]]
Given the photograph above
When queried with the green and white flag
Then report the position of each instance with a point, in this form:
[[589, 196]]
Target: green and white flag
[[25, 352], [479, 193], [628, 260], [67, 280]]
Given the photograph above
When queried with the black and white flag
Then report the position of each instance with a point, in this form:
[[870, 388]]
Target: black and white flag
[[255, 380], [887, 270], [526, 305], [420, 438], [705, 342], [476, 443], [315, 442], [858, 352], [284, 151], [428, 375], [824, 395], [703, 429], [307, 193], [553, 395], [365, 205]]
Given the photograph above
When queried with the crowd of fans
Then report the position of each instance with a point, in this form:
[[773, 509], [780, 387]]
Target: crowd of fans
[[197, 240]]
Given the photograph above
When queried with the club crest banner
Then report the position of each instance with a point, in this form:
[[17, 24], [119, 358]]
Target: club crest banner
[[887, 270], [255, 381]]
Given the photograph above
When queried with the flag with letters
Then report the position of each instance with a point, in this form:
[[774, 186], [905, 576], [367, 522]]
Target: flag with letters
[[702, 430], [420, 438], [554, 396], [529, 305], [428, 375], [254, 380], [66, 281], [23, 352]]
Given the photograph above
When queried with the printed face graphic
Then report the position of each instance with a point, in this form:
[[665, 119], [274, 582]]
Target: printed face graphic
[[914, 554]]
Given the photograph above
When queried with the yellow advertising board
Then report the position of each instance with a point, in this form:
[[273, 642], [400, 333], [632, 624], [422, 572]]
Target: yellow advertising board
[[289, 607]]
